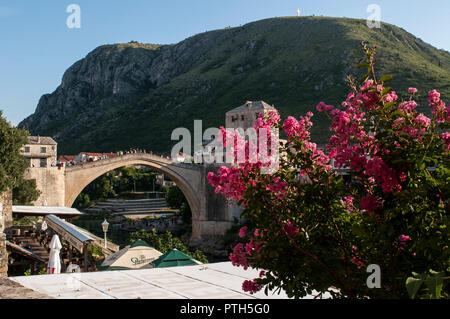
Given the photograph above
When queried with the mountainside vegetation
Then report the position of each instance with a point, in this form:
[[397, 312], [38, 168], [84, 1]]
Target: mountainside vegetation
[[134, 95]]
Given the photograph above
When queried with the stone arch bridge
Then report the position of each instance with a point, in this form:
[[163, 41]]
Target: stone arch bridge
[[211, 214]]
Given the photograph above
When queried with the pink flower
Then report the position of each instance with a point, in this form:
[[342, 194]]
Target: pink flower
[[348, 203], [369, 203], [422, 120], [311, 146], [237, 257], [398, 122], [291, 229], [243, 232], [291, 126], [390, 97], [411, 131], [404, 238], [446, 137], [321, 107], [297, 129], [412, 90], [407, 106], [434, 96], [356, 257], [402, 242], [402, 177], [251, 286]]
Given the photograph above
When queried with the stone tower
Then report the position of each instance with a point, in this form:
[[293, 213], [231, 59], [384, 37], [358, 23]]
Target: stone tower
[[245, 115], [41, 153]]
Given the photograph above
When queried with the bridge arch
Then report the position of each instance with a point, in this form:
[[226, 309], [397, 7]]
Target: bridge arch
[[187, 177]]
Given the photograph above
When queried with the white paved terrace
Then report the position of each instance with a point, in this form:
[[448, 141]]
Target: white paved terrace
[[210, 281]]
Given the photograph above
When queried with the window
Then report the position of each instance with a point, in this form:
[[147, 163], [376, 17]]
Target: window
[[27, 149], [242, 117], [43, 162], [43, 150]]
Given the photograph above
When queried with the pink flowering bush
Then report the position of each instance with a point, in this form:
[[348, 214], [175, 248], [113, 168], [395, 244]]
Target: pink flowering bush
[[312, 230]]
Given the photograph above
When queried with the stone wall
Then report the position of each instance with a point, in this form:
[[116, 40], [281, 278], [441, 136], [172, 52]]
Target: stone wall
[[3, 256], [5, 210], [218, 214], [50, 182]]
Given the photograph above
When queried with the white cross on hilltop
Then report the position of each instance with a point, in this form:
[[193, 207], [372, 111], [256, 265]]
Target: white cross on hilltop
[[298, 12]]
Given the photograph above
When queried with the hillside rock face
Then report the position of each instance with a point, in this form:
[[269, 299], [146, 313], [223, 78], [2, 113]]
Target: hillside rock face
[[134, 95]]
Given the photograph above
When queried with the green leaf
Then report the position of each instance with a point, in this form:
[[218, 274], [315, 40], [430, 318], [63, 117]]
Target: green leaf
[[413, 285], [434, 284], [385, 78], [365, 77], [386, 90], [360, 66], [436, 273]]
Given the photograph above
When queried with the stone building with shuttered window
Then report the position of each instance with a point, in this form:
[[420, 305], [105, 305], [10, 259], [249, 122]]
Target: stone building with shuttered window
[[244, 116], [40, 151]]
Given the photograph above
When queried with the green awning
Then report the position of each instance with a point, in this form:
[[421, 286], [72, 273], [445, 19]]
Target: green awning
[[174, 258], [140, 242]]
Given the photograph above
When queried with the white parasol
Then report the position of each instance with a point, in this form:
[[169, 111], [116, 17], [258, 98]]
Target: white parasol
[[54, 261]]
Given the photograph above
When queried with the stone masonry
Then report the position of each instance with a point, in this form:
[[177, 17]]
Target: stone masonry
[[5, 210], [3, 256], [5, 223]]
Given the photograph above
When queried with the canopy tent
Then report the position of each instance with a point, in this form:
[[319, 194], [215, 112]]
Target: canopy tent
[[174, 258], [134, 256]]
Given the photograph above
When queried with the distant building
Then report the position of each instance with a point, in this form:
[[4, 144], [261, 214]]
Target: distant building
[[109, 155], [245, 115], [40, 151], [84, 157], [66, 160], [162, 180]]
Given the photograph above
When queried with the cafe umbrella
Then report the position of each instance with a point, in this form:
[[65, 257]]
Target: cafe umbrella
[[174, 258], [54, 261], [135, 256]]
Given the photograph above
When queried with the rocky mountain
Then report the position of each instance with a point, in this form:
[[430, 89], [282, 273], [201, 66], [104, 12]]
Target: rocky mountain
[[134, 95]]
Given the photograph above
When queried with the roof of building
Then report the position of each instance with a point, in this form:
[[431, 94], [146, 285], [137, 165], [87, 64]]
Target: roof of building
[[252, 105], [66, 230], [24, 252], [41, 140], [45, 210], [91, 154], [66, 158]]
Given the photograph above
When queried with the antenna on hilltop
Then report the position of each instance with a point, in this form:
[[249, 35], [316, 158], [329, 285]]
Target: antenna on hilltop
[[298, 12]]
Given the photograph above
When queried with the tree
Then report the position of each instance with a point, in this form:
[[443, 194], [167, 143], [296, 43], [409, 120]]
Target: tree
[[25, 192], [12, 163], [176, 199], [315, 231], [100, 188]]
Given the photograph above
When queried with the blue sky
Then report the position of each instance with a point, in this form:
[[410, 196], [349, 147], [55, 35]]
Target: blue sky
[[37, 46]]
